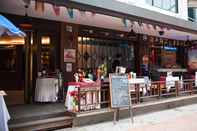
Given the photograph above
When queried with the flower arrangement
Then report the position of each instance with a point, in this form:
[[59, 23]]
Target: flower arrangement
[[75, 102], [103, 69]]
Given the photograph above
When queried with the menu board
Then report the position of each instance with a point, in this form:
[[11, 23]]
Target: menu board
[[119, 90]]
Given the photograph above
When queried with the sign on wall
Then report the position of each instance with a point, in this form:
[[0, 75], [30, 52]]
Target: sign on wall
[[70, 55]]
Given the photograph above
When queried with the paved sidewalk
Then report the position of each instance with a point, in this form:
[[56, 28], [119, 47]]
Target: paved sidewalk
[[177, 119]]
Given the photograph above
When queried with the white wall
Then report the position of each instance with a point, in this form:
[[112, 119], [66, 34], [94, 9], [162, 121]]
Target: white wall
[[182, 8]]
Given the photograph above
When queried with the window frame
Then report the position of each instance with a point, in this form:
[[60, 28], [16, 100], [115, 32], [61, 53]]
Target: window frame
[[162, 2]]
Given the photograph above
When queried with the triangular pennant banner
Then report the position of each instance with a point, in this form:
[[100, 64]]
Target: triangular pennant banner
[[56, 10], [70, 13], [124, 21], [39, 6]]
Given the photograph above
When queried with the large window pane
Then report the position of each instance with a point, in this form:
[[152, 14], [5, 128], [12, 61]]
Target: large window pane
[[158, 3], [166, 4], [170, 5], [173, 6], [150, 2]]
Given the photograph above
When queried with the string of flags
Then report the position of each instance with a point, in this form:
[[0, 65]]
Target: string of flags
[[70, 12], [56, 10], [40, 8]]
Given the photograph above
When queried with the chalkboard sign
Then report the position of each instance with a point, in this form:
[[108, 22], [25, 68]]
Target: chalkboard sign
[[119, 90]]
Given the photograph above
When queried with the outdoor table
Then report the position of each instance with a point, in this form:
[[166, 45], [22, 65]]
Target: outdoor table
[[4, 114], [142, 82], [83, 96], [46, 90], [170, 82]]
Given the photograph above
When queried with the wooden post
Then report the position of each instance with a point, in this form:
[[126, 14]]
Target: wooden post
[[191, 87], [160, 90], [177, 88], [138, 92], [130, 108], [79, 100], [28, 86], [115, 115]]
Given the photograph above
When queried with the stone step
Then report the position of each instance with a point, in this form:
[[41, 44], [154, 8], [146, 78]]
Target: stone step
[[42, 124], [39, 117]]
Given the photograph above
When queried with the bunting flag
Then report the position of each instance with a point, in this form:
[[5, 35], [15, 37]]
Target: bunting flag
[[39, 6], [132, 22], [70, 12], [140, 23], [154, 27], [56, 10], [124, 21]]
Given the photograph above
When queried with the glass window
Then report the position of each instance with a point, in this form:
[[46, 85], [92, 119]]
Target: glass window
[[150, 2], [94, 52], [158, 3], [170, 5], [166, 4]]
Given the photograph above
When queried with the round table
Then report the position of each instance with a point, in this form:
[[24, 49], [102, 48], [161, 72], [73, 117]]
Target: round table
[[46, 90]]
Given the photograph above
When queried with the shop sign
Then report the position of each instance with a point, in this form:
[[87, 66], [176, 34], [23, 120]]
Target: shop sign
[[69, 67], [70, 55], [192, 59]]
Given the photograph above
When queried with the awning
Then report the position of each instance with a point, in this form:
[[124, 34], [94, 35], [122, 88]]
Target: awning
[[123, 10], [7, 27]]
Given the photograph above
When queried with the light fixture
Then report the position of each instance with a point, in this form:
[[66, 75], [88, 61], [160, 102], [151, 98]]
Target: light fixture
[[6, 40], [45, 40]]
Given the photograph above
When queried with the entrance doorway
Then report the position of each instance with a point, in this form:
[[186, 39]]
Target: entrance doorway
[[12, 50]]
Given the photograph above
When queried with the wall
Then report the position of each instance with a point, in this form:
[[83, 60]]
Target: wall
[[182, 7]]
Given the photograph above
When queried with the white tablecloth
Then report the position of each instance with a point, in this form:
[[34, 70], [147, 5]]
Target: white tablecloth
[[170, 82], [141, 81], [4, 115], [46, 90]]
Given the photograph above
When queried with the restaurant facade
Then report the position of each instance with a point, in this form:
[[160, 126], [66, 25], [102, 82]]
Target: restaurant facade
[[65, 36]]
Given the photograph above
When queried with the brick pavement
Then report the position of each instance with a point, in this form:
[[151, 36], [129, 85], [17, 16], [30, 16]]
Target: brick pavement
[[184, 123]]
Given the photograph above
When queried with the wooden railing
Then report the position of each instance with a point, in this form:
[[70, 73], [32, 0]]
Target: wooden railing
[[153, 91]]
